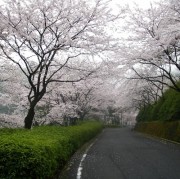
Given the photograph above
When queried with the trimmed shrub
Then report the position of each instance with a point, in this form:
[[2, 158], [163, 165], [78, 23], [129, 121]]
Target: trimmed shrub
[[39, 152], [164, 129]]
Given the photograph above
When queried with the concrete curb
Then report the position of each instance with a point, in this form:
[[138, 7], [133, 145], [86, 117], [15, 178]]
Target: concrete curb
[[158, 138]]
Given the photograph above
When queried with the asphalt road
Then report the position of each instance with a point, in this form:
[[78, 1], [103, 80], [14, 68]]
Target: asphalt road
[[119, 153]]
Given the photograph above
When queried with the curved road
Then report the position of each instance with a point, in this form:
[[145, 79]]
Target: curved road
[[119, 153]]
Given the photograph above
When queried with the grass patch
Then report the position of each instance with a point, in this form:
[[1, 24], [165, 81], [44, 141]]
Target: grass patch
[[39, 152]]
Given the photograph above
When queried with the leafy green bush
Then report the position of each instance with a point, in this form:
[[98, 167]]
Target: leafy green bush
[[37, 153], [164, 129]]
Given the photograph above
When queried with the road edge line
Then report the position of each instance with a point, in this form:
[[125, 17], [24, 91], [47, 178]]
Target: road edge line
[[158, 138], [80, 167]]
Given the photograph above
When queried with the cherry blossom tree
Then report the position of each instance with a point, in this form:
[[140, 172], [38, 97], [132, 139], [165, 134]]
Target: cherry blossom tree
[[154, 43], [71, 101], [13, 93], [43, 37]]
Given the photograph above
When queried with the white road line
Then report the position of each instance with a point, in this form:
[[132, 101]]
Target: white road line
[[80, 168]]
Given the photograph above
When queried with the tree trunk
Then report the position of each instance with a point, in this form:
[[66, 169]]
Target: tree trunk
[[82, 115], [29, 118]]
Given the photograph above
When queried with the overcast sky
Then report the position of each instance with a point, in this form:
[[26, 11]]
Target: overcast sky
[[145, 4], [141, 3]]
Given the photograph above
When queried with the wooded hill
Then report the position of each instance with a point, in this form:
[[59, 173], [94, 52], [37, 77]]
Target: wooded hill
[[167, 108], [161, 119]]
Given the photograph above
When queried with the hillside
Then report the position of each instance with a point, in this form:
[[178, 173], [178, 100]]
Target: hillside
[[166, 109]]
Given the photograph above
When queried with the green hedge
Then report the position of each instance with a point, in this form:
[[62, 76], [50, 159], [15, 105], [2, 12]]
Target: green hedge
[[164, 129], [39, 152]]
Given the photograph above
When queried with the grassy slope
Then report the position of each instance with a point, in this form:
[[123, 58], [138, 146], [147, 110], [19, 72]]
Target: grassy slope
[[162, 119], [166, 109]]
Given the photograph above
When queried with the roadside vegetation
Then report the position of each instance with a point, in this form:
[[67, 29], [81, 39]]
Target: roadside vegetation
[[161, 119], [38, 153], [164, 129], [167, 108]]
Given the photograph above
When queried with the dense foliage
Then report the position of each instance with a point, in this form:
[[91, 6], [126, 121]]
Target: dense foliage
[[39, 152], [166, 108]]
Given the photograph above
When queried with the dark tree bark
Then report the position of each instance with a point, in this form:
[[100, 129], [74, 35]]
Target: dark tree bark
[[29, 118]]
